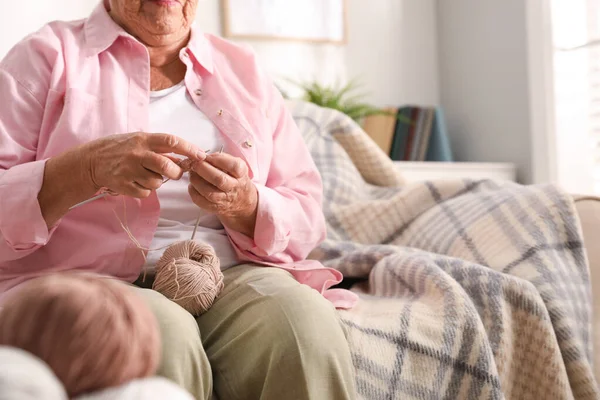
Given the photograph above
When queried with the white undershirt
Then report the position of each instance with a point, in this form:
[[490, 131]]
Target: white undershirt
[[173, 111]]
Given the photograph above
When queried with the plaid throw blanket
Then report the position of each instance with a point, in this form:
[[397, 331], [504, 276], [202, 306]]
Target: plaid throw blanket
[[475, 289]]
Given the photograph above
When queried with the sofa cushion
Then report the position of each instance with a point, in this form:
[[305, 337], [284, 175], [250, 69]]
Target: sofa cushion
[[588, 208]]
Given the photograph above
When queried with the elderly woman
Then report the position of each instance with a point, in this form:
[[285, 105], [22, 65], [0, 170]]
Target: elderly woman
[[108, 103]]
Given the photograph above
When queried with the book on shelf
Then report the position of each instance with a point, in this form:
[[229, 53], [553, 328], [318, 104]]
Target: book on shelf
[[412, 132], [413, 148], [420, 134], [401, 133], [439, 144]]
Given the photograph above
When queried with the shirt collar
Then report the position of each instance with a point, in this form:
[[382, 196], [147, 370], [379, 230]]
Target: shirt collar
[[101, 32], [201, 48]]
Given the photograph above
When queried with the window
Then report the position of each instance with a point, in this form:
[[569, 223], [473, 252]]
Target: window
[[576, 38]]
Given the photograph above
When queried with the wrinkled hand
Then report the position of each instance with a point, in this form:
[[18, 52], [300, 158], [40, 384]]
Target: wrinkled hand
[[221, 185], [135, 164]]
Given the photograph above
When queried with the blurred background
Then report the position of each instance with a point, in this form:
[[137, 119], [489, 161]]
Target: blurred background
[[515, 83]]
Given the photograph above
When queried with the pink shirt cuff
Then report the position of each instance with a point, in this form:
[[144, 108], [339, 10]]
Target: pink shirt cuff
[[21, 222], [271, 235]]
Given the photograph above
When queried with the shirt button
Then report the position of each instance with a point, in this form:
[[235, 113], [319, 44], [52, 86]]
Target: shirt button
[[198, 92], [248, 144], [220, 112]]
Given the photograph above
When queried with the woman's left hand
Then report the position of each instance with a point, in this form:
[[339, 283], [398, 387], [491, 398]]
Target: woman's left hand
[[221, 185]]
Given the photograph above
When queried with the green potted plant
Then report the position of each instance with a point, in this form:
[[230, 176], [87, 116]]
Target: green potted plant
[[344, 99]]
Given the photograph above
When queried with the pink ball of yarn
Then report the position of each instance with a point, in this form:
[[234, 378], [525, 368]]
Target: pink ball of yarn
[[93, 332], [189, 273]]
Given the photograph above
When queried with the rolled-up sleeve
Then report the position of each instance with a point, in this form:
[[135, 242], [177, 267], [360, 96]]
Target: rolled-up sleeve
[[290, 221], [22, 226]]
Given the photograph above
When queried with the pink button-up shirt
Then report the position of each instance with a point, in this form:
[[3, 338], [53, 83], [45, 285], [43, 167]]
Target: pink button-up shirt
[[73, 82]]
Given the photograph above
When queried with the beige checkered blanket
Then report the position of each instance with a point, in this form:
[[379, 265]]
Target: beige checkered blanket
[[475, 289]]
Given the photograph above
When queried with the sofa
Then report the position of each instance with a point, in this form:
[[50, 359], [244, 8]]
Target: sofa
[[588, 208], [470, 288], [351, 163]]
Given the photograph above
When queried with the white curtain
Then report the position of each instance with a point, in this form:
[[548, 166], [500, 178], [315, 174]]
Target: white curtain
[[576, 31]]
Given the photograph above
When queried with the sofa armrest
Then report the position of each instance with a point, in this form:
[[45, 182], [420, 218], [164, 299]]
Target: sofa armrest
[[588, 209]]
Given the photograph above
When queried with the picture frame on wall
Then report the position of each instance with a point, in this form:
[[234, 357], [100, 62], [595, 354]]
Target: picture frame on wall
[[313, 21]]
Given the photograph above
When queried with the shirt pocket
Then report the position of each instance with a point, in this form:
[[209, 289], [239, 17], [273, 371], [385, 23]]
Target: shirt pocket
[[73, 118]]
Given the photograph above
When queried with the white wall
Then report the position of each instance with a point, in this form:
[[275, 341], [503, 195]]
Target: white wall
[[19, 18], [484, 80], [392, 45], [392, 50]]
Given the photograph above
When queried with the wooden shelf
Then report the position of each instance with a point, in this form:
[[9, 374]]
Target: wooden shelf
[[419, 171]]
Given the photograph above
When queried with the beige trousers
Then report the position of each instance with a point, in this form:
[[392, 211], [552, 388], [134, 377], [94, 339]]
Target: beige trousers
[[266, 337]]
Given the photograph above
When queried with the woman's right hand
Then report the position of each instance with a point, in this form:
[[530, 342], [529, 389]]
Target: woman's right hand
[[130, 164], [135, 164]]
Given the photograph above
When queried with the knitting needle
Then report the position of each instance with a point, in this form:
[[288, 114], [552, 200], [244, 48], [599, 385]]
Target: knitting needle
[[101, 195], [89, 200], [200, 216], [179, 163]]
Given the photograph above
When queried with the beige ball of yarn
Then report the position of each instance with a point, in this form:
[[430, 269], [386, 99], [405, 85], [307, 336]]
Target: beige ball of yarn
[[189, 273], [93, 332]]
